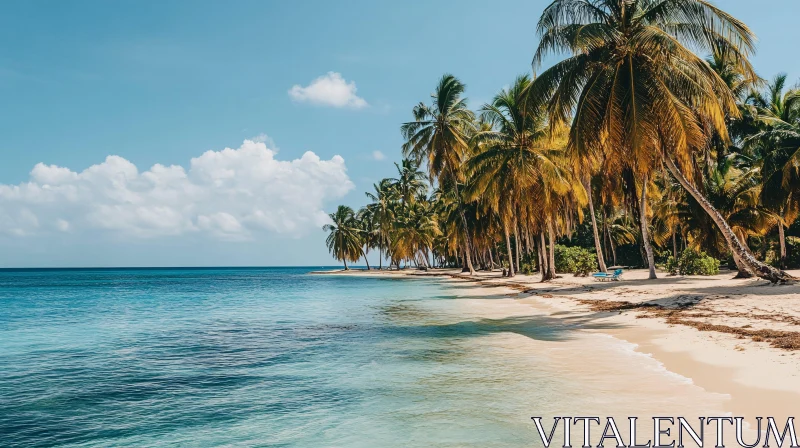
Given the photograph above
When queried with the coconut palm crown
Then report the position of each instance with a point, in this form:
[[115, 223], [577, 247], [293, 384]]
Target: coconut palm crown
[[636, 94]]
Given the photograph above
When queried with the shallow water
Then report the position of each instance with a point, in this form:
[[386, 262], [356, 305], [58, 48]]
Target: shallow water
[[278, 357]]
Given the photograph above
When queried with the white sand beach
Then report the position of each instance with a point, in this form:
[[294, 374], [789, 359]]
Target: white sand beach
[[737, 339]]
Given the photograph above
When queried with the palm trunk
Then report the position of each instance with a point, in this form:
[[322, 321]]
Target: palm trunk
[[597, 247], [543, 268], [674, 246], [468, 257], [749, 262], [468, 249], [551, 262], [782, 240], [651, 262], [540, 253], [613, 251], [345, 264], [607, 238], [380, 257], [611, 245], [423, 258], [742, 270], [364, 253], [508, 247], [517, 244], [527, 241]]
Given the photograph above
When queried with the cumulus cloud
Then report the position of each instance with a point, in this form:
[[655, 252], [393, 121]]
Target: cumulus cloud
[[377, 155], [329, 90], [229, 194]]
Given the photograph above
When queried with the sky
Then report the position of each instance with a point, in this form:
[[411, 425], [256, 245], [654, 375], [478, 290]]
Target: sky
[[207, 133]]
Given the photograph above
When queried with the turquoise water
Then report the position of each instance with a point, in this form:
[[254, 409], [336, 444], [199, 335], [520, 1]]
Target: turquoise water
[[267, 357]]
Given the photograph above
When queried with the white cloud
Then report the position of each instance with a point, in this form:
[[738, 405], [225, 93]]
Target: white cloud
[[230, 194], [62, 225], [329, 90], [267, 140], [377, 155]]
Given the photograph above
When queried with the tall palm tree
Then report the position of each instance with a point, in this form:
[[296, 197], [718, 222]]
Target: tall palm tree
[[439, 136], [345, 238], [366, 222], [513, 158], [639, 95], [382, 210], [593, 217]]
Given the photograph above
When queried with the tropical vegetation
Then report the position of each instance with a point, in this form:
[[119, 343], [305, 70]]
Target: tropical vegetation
[[652, 141], [692, 262]]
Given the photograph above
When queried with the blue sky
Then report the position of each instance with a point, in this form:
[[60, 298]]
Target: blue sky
[[164, 82]]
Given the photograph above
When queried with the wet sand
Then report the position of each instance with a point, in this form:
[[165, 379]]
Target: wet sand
[[732, 341]]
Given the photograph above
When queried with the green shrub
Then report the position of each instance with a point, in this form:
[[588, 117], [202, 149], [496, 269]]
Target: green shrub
[[692, 262], [672, 265], [528, 263], [576, 260]]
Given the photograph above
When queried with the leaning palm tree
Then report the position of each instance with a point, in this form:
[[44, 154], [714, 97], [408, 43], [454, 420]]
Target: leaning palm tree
[[638, 94], [439, 136], [345, 238]]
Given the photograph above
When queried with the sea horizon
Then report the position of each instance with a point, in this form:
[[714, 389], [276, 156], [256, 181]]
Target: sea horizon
[[79, 268]]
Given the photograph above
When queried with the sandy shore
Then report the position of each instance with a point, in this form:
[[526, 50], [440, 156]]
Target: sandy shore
[[739, 338]]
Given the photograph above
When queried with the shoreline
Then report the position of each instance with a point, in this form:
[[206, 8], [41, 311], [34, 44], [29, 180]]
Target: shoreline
[[738, 338]]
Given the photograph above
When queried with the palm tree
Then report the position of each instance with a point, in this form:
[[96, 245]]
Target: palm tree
[[345, 238], [365, 221], [639, 95], [593, 217], [733, 186], [382, 212], [777, 113], [513, 159], [448, 211], [414, 232], [410, 181], [619, 229], [439, 135]]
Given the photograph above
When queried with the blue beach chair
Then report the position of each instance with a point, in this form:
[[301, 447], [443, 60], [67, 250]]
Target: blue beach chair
[[607, 277]]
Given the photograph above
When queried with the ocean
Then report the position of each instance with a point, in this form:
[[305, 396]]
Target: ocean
[[278, 357]]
